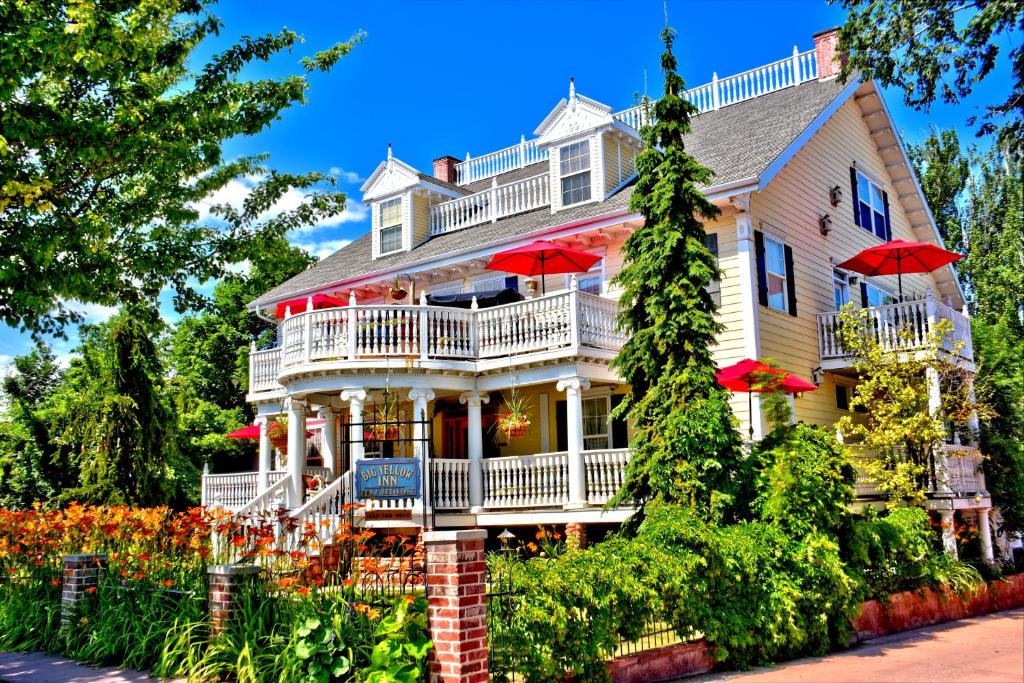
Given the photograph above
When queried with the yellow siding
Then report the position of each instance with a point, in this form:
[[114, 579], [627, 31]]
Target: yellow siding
[[788, 209], [420, 219]]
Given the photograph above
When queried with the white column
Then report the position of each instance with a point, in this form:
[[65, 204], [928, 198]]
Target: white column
[[330, 441], [948, 535], [747, 259], [296, 450], [473, 401], [573, 388], [265, 451], [985, 532], [420, 433], [356, 398]]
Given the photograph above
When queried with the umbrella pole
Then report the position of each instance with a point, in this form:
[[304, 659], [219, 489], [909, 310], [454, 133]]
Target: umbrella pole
[[543, 288], [750, 414], [899, 274]]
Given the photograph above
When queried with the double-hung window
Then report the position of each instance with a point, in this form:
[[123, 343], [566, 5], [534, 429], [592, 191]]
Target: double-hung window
[[596, 431], [390, 227], [775, 269], [593, 280], [875, 296], [871, 210], [840, 289], [574, 171]]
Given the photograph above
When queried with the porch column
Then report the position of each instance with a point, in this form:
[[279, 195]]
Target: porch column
[[330, 441], [747, 260], [420, 447], [573, 388], [985, 532], [263, 482], [355, 398], [296, 450], [473, 400], [948, 533], [972, 419]]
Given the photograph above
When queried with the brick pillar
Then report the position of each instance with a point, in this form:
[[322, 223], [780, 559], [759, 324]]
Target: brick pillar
[[444, 169], [457, 597], [225, 582], [826, 48], [576, 535], [81, 573]]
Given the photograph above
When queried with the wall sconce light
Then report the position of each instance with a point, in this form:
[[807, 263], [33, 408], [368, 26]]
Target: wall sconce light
[[818, 375], [835, 195], [853, 280], [825, 224]]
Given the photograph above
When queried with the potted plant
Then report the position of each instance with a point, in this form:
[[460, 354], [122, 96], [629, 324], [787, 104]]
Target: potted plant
[[385, 427], [277, 430], [398, 292], [514, 421]]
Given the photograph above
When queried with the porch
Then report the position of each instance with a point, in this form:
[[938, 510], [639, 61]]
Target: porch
[[475, 340], [903, 326], [958, 475]]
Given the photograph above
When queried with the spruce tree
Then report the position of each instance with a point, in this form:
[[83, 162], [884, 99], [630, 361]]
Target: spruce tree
[[685, 449]]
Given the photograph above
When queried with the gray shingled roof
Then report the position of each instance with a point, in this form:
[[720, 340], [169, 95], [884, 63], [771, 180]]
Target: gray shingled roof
[[737, 142]]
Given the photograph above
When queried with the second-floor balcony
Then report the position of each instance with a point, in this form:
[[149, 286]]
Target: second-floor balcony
[[905, 326], [476, 339]]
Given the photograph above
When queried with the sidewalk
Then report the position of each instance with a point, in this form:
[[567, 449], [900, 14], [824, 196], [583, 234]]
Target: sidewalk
[[36, 667], [988, 649]]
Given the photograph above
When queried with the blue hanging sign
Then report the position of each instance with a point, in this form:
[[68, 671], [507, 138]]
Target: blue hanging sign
[[387, 478]]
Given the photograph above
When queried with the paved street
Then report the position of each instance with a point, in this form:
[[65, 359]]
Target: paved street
[[987, 649]]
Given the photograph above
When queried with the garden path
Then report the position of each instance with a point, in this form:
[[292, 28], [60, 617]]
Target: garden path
[[36, 667], [978, 650]]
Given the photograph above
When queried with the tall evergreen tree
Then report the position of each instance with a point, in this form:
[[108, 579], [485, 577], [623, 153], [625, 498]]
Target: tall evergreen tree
[[686, 449], [943, 170]]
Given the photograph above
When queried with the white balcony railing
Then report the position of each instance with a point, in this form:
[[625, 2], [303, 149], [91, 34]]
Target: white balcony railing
[[491, 204], [606, 472], [957, 471], [509, 159], [900, 327], [264, 367], [238, 491], [562, 320]]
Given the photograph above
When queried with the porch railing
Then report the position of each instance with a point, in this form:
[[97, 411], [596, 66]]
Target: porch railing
[[509, 159], [958, 471], [554, 321], [901, 326], [264, 367], [238, 490], [606, 472]]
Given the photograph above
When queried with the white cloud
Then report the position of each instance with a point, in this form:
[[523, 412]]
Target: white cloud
[[324, 248], [6, 365], [235, 191], [344, 176], [93, 313]]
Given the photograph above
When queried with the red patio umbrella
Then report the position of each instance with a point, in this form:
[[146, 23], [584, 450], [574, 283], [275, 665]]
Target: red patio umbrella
[[749, 376], [898, 257], [543, 258], [300, 305]]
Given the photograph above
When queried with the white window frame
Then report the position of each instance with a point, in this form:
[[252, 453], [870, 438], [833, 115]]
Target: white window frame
[[446, 289], [596, 270], [769, 273], [840, 281], [607, 426], [881, 293], [480, 283], [875, 195], [572, 173], [381, 228]]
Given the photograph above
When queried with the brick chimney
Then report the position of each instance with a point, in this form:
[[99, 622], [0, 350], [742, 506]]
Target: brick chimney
[[444, 169], [826, 49]]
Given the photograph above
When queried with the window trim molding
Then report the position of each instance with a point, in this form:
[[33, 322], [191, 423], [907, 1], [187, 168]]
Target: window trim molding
[[590, 169], [784, 275], [378, 228]]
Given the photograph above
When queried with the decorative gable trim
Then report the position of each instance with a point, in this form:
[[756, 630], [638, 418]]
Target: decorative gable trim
[[572, 117], [390, 176]]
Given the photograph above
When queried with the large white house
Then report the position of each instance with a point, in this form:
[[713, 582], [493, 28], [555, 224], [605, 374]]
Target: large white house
[[808, 171]]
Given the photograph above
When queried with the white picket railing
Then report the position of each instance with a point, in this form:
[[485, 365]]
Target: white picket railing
[[323, 514], [509, 159], [264, 367], [559, 320], [229, 491], [899, 326], [486, 206], [957, 468], [526, 481], [606, 472], [450, 483], [274, 498], [784, 73]]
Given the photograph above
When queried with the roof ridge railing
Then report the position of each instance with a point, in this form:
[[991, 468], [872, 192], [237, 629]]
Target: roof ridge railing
[[798, 68]]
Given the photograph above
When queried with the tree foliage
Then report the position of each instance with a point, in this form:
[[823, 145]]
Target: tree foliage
[[943, 170], [686, 448], [110, 142], [933, 49]]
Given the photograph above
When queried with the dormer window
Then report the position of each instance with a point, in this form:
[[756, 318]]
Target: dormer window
[[574, 171], [390, 226]]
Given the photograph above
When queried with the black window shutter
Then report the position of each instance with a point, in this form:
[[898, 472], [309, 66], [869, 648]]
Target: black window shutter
[[711, 242], [620, 435], [863, 295], [762, 271], [853, 193], [888, 225], [561, 426], [512, 282], [790, 279]]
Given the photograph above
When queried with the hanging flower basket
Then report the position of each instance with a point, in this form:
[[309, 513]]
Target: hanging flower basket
[[514, 422], [398, 292], [278, 435], [513, 428], [383, 432]]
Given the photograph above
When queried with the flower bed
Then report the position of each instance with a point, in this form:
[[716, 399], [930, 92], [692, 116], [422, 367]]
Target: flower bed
[[349, 610]]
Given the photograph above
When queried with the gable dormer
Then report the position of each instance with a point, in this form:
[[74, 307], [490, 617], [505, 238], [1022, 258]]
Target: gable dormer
[[400, 198], [590, 152]]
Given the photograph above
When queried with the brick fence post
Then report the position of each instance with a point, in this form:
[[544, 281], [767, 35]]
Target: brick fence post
[[457, 597], [81, 573], [225, 582]]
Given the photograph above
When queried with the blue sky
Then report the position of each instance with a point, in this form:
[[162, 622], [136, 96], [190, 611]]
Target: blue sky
[[437, 78]]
